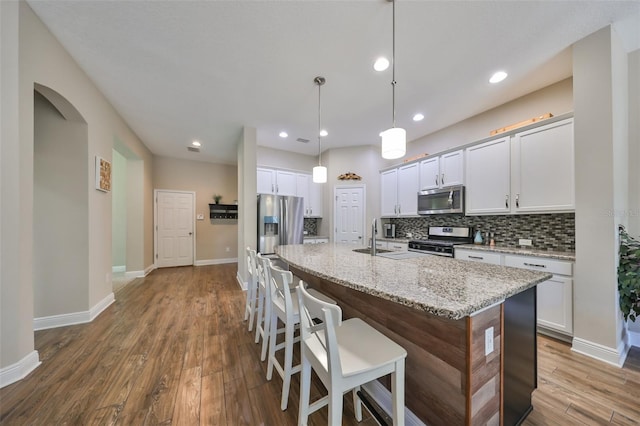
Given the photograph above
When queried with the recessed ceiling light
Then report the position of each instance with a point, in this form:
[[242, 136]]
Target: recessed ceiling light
[[283, 134], [418, 117], [323, 133], [196, 143], [498, 77], [381, 64]]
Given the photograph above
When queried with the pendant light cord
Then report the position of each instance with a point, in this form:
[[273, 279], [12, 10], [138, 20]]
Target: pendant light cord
[[319, 81], [393, 64]]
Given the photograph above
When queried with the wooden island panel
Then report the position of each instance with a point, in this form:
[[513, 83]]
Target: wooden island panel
[[448, 379]]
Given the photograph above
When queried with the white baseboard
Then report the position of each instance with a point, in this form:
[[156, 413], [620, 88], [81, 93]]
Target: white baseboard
[[215, 261], [383, 398], [63, 320], [140, 274], [634, 338], [613, 356], [243, 285], [14, 372], [118, 269]]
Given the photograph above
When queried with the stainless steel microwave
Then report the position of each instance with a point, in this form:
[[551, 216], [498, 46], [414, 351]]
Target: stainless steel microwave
[[441, 201]]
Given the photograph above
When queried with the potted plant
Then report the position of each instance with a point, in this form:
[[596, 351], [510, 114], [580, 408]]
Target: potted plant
[[217, 198], [629, 276]]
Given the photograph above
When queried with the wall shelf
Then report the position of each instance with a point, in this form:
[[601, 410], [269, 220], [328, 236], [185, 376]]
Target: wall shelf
[[223, 211]]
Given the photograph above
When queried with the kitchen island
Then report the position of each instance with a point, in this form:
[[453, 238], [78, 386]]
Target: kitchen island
[[440, 310]]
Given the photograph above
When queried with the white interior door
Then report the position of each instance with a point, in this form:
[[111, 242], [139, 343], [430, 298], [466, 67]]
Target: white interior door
[[174, 228], [349, 215]]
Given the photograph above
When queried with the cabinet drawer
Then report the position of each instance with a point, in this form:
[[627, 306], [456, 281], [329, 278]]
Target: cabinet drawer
[[479, 256], [540, 264], [397, 246]]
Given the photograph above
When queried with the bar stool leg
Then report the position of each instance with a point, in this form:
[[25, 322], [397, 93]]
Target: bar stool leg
[[288, 364], [266, 333], [272, 344], [305, 388], [397, 390], [357, 404], [335, 407]]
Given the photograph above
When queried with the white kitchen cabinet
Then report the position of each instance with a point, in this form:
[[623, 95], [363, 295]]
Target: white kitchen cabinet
[[319, 240], [399, 191], [555, 296], [392, 245], [266, 181], [478, 256], [442, 171], [312, 194], [273, 181], [543, 168], [488, 167]]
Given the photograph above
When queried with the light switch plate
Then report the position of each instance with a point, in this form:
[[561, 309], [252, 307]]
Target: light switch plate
[[488, 341], [525, 242], [200, 216]]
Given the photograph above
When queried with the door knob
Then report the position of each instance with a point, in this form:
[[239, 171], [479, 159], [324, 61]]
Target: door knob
[[190, 233]]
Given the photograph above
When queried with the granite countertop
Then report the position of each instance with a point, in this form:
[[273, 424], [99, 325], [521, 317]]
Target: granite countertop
[[559, 255], [438, 285]]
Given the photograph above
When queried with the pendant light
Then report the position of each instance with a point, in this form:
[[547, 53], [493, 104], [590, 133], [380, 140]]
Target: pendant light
[[319, 171], [394, 139]]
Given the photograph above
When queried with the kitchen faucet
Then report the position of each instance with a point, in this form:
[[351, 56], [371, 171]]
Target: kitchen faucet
[[374, 231]]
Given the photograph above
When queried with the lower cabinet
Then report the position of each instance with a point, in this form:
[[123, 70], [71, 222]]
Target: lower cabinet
[[554, 296], [392, 245]]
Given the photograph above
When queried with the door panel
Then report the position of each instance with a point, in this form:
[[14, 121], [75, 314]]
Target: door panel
[[349, 215], [174, 228]]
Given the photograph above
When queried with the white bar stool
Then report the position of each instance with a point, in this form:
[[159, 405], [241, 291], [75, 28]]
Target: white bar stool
[[284, 306], [345, 355], [252, 287], [263, 267]]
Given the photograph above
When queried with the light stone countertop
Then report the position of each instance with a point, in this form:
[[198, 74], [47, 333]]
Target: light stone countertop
[[559, 255], [438, 285]]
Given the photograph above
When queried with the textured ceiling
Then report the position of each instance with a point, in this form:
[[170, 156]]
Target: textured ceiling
[[183, 70]]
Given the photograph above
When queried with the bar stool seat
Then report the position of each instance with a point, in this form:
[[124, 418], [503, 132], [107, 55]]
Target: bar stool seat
[[284, 307], [344, 355]]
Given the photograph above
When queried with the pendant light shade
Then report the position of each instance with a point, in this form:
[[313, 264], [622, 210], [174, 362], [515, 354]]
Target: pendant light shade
[[320, 174], [319, 171], [394, 139], [394, 143]]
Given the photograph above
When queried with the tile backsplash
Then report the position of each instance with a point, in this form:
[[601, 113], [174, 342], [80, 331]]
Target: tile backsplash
[[547, 231], [311, 226]]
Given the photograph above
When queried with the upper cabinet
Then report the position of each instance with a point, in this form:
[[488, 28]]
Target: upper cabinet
[[488, 188], [441, 171], [399, 191], [284, 182], [279, 182], [529, 172], [542, 177]]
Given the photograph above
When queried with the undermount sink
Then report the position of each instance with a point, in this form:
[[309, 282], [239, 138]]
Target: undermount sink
[[368, 250]]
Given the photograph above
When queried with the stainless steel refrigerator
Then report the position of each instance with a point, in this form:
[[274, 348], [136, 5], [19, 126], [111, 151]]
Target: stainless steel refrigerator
[[280, 221]]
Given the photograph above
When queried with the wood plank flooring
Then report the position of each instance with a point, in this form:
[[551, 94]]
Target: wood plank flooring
[[173, 349]]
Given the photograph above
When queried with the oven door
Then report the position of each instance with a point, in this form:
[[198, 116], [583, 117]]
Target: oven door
[[439, 201]]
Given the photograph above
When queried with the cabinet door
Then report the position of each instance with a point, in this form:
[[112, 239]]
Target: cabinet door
[[543, 169], [316, 192], [388, 193], [397, 246], [478, 256], [266, 181], [488, 177], [430, 173], [302, 190], [408, 190], [555, 304], [285, 183], [452, 168]]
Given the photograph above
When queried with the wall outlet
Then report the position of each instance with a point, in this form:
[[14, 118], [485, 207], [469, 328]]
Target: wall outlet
[[488, 341], [524, 242], [227, 249], [200, 216]]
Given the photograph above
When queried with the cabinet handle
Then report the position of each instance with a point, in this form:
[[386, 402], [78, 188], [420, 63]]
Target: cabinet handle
[[399, 208], [518, 200], [277, 188], [506, 201], [436, 179], [476, 257], [398, 247], [442, 180], [535, 265], [273, 188]]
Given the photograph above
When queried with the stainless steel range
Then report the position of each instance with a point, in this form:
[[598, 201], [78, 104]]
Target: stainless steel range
[[442, 240]]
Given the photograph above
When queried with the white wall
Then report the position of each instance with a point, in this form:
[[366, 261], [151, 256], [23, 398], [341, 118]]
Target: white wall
[[119, 210], [279, 159], [600, 114], [247, 208], [634, 156]]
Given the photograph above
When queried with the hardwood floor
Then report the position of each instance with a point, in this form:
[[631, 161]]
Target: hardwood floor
[[173, 349]]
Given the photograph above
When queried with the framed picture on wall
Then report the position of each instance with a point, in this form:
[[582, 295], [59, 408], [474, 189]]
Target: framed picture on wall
[[103, 174]]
